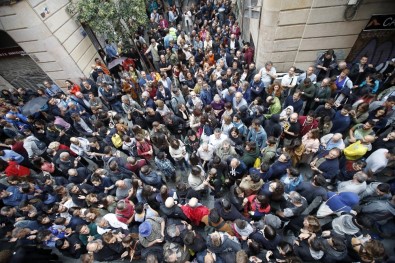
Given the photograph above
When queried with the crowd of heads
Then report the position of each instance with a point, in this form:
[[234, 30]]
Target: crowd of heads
[[187, 151]]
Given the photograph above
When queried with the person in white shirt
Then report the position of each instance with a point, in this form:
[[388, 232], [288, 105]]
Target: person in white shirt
[[109, 222], [308, 74], [289, 80], [268, 73], [217, 138], [356, 185]]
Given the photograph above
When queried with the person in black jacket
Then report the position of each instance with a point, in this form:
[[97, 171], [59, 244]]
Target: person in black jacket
[[310, 249], [171, 210], [103, 251], [70, 246], [227, 210], [176, 126], [83, 126], [272, 126]]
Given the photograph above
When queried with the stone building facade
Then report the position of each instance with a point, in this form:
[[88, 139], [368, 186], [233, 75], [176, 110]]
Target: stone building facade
[[293, 32], [53, 39]]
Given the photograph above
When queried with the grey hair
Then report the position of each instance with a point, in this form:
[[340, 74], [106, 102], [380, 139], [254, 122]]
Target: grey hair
[[360, 176], [295, 197]]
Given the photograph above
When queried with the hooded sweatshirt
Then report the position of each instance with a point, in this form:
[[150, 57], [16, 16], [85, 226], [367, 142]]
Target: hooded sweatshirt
[[342, 202], [345, 225], [379, 210]]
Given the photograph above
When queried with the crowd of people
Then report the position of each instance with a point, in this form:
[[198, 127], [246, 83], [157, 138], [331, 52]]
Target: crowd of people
[[123, 165]]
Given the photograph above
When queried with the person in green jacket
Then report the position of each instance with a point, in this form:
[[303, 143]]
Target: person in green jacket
[[250, 154], [274, 106], [307, 89]]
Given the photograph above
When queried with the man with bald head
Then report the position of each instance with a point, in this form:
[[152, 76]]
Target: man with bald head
[[331, 141], [257, 87], [292, 130], [238, 101], [237, 169]]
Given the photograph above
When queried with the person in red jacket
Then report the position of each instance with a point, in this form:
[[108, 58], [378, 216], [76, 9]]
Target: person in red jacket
[[248, 53], [195, 211], [15, 169], [125, 211], [256, 206], [307, 123]]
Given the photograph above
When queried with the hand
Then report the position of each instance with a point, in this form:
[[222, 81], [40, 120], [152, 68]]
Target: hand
[[317, 99], [159, 240], [31, 237], [268, 255], [352, 140], [90, 238], [82, 197], [124, 254], [77, 246], [326, 233], [304, 235]]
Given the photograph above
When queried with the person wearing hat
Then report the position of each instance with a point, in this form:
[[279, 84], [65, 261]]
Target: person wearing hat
[[152, 231]]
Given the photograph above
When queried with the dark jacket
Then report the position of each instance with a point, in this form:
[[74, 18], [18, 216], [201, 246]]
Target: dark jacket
[[160, 96], [172, 212], [277, 170], [289, 101], [235, 200], [71, 251], [230, 215]]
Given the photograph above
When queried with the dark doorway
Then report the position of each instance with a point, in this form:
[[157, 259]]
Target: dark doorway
[[18, 68]]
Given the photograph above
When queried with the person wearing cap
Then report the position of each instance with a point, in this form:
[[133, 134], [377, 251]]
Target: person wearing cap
[[152, 231]]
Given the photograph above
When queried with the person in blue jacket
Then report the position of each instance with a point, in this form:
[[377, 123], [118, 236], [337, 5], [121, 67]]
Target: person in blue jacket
[[342, 120]]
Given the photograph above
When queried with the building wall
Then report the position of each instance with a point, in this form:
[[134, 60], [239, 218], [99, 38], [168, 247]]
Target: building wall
[[294, 32], [56, 42]]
